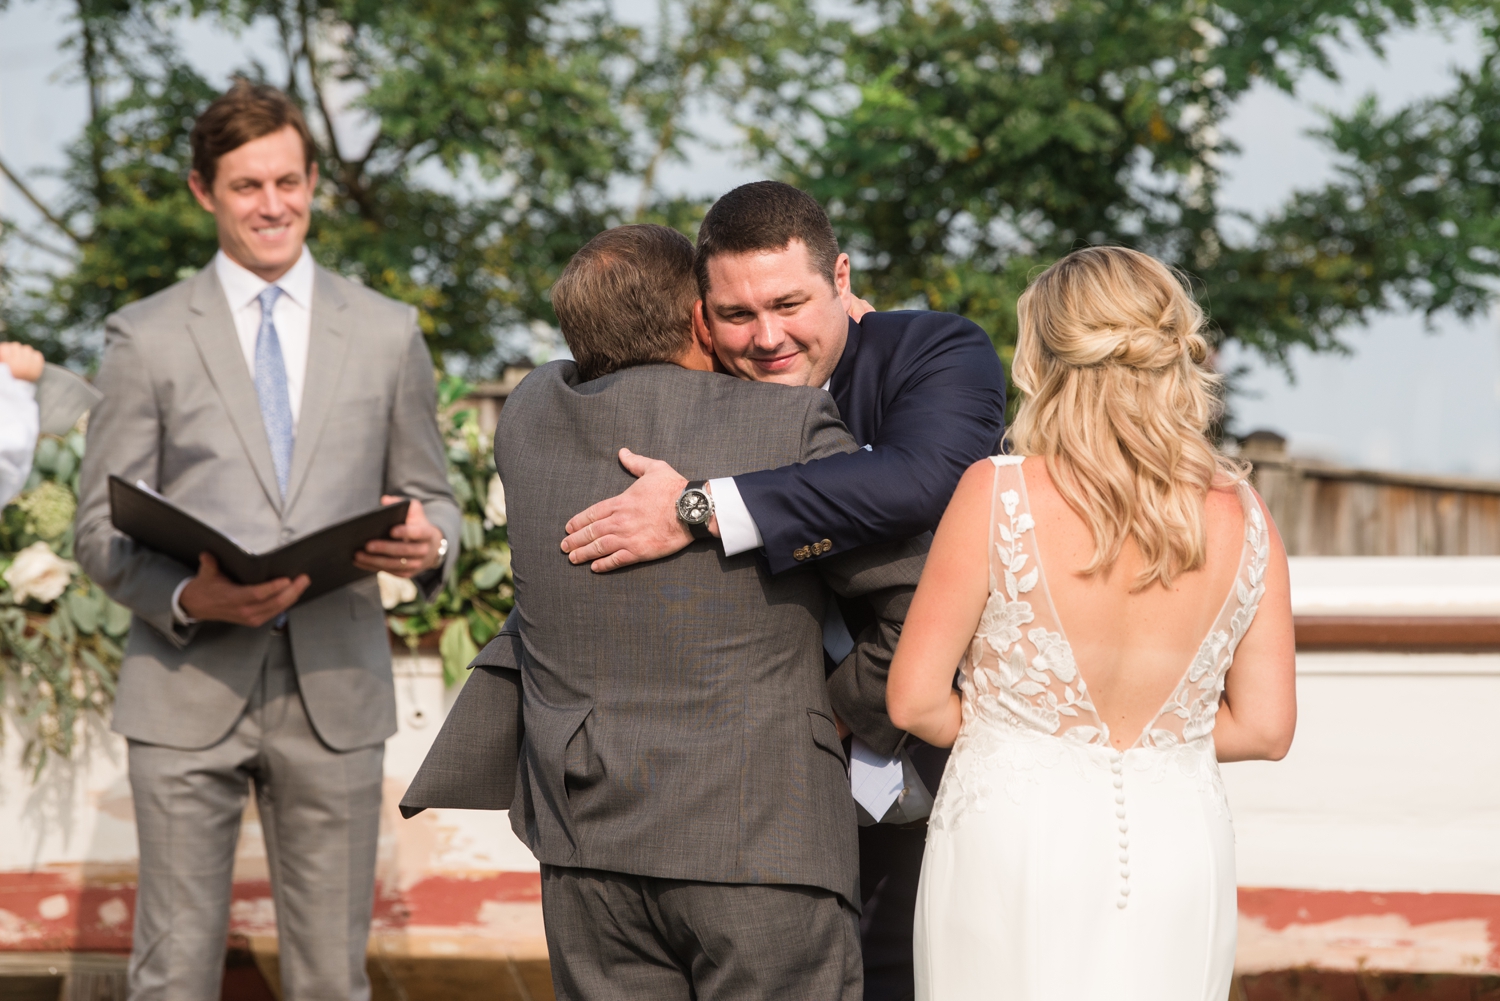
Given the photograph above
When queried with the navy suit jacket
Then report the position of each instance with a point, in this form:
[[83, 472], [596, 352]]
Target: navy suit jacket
[[926, 392]]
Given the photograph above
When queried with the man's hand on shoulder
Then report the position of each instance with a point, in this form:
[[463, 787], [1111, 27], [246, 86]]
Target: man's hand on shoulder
[[415, 546], [213, 597], [636, 526], [25, 362]]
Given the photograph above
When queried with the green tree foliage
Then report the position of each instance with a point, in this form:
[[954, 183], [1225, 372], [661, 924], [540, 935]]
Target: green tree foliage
[[987, 140], [960, 145], [1412, 218]]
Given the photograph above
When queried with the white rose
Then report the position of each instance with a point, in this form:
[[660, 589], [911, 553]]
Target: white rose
[[395, 590], [38, 573], [494, 502]]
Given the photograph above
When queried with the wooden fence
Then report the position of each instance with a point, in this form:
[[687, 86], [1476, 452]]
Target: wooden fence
[[1325, 510]]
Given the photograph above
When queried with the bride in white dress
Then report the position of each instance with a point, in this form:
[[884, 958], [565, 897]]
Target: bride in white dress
[[1120, 606]]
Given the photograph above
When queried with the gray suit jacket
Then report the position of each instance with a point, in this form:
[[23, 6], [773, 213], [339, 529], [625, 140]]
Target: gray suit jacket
[[180, 412], [62, 397], [678, 721]]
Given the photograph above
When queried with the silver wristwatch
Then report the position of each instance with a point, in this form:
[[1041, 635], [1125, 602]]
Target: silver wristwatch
[[694, 508]]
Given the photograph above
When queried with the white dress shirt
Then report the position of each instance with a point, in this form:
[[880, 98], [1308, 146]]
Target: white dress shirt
[[737, 530], [20, 423], [292, 315]]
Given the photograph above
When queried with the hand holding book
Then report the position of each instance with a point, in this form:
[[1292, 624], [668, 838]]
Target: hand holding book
[[414, 546], [212, 597]]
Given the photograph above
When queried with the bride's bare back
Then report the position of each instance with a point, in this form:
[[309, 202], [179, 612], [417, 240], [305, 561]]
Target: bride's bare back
[[1131, 646]]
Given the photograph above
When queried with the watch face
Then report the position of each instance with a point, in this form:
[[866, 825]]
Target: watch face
[[693, 507]]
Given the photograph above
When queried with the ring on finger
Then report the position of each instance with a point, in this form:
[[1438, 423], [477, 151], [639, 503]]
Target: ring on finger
[[403, 561]]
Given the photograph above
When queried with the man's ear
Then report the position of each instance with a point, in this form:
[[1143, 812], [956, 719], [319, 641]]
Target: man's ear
[[700, 327], [841, 284], [201, 191]]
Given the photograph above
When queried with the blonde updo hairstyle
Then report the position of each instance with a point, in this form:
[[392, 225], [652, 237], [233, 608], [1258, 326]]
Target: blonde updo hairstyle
[[1118, 401]]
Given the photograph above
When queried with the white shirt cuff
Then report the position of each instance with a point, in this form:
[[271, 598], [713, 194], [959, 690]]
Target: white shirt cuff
[[178, 615], [737, 530]]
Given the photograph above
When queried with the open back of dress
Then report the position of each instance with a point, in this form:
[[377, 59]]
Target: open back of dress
[[1059, 868]]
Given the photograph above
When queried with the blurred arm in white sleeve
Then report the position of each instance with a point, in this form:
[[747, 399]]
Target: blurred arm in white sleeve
[[19, 426]]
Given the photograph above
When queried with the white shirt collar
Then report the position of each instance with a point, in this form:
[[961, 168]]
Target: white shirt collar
[[242, 286]]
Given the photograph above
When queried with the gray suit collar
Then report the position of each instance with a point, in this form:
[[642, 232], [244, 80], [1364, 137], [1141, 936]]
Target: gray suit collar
[[326, 347], [212, 329]]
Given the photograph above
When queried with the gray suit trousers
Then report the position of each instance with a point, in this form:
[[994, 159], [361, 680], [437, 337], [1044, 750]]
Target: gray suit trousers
[[320, 811], [612, 936]]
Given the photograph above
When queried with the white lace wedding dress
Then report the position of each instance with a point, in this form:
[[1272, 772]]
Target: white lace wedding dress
[[1058, 868]]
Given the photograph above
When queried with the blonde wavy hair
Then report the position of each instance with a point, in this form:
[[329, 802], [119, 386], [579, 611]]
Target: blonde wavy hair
[[1118, 400]]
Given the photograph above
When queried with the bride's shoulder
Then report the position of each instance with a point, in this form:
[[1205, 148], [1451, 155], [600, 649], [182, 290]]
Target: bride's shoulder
[[1230, 494]]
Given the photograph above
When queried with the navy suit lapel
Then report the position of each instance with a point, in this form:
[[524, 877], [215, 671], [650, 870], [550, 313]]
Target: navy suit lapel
[[852, 390]]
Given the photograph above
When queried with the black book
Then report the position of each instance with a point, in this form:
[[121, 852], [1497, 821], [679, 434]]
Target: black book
[[326, 556]]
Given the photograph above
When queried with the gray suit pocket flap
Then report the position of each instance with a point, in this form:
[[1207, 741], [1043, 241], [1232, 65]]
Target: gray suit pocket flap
[[826, 735]]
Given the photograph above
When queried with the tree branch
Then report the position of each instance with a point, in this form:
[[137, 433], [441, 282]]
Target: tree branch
[[93, 76], [317, 87], [36, 203], [38, 243]]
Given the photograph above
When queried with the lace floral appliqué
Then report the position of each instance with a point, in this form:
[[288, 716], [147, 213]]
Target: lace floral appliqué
[[1025, 705]]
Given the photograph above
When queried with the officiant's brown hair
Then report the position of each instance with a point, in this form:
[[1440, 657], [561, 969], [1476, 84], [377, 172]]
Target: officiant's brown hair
[[627, 299], [244, 113]]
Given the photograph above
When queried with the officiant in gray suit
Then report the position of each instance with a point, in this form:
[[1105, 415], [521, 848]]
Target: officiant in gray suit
[[269, 398]]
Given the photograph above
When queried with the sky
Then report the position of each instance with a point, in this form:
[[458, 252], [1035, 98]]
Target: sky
[[1406, 397]]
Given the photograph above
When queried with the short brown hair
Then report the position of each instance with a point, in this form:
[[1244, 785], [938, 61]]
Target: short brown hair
[[246, 112], [765, 215], [627, 299]]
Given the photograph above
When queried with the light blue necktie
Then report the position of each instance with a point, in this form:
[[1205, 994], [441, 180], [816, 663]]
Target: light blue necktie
[[270, 387]]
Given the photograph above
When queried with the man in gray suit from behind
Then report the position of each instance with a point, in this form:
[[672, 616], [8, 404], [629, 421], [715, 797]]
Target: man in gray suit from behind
[[682, 779], [269, 398]]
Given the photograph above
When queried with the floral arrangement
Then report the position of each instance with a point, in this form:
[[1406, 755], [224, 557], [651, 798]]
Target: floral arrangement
[[62, 638]]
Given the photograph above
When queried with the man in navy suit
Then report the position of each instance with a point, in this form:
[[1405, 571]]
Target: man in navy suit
[[922, 392]]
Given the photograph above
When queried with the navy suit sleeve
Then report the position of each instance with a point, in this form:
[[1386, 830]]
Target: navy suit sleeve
[[943, 408]]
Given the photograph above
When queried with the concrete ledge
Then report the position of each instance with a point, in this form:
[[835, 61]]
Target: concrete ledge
[[402, 976]]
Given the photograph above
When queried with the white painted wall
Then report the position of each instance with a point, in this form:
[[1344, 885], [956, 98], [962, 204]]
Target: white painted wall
[[1393, 781]]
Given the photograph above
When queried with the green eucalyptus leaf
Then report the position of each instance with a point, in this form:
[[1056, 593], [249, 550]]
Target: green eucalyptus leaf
[[482, 625], [457, 648], [116, 618], [67, 464], [488, 575], [86, 609], [45, 459], [472, 533]]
